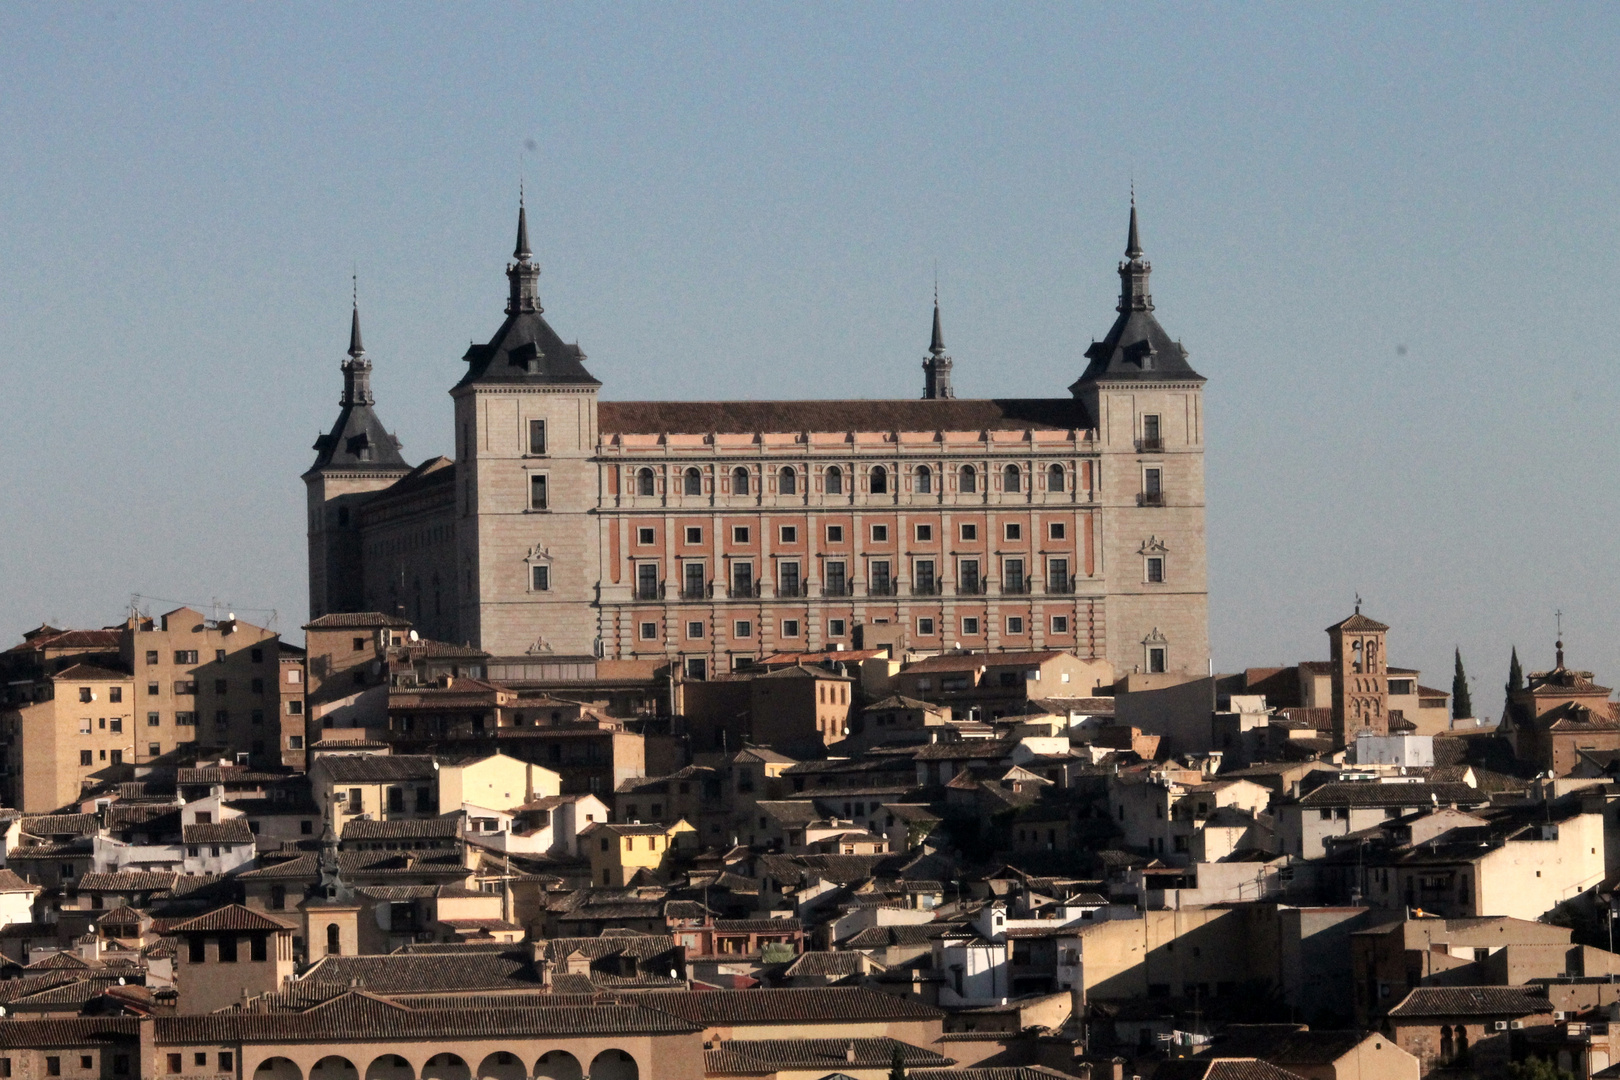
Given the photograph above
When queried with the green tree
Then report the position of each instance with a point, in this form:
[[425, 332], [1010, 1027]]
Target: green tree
[[897, 1066], [1536, 1069], [1515, 673], [1461, 707]]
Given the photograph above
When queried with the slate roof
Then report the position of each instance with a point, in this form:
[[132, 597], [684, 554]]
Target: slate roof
[[1443, 1001], [1367, 793], [742, 417], [763, 1056]]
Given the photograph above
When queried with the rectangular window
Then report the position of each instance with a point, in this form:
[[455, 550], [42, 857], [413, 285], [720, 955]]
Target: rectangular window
[[396, 800], [153, 689], [294, 676], [1156, 659], [1057, 575], [295, 708], [1015, 624], [538, 498], [970, 625], [356, 800], [86, 757], [1153, 483], [649, 631], [881, 582], [87, 726], [969, 532], [787, 574], [227, 1059], [540, 578], [185, 719], [925, 627], [694, 629], [646, 581], [880, 534], [227, 943], [835, 627], [693, 581], [923, 577], [967, 572], [359, 644], [154, 719], [1150, 433], [115, 725], [694, 534], [194, 949], [115, 693], [739, 534], [295, 742], [537, 436], [219, 656], [151, 656], [790, 534], [185, 656], [835, 534], [174, 1063], [256, 655], [1060, 624], [154, 750], [837, 583], [53, 1066], [925, 533], [742, 579], [1056, 530], [220, 686], [86, 695], [1013, 531], [696, 668], [117, 756], [1012, 575], [1155, 569], [742, 628], [790, 627], [644, 536]]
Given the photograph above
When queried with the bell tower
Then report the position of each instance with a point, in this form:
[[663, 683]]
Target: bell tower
[[1360, 678]]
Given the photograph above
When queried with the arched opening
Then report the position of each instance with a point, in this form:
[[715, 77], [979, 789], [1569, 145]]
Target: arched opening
[[558, 1065], [1462, 1044], [614, 1065], [692, 482], [390, 1067], [502, 1065], [739, 481], [1012, 479], [880, 480], [277, 1068], [925, 480], [969, 480], [1056, 479], [333, 1067], [446, 1067], [1447, 1048], [787, 482], [835, 480], [334, 946], [646, 482]]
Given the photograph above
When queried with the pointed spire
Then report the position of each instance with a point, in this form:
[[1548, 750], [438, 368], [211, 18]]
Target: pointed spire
[[937, 345], [1133, 243], [521, 252], [1134, 271], [355, 346], [936, 365]]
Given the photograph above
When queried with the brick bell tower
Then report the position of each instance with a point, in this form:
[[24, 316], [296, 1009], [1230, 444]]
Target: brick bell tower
[[1360, 678]]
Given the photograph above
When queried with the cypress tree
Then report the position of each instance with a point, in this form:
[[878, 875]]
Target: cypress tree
[[897, 1068], [1515, 673], [1461, 707]]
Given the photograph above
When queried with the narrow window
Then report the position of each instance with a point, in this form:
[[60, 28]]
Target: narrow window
[[646, 581], [1155, 569], [835, 480], [1150, 433], [1011, 479], [692, 482], [1056, 479], [1156, 659], [968, 479], [742, 579], [925, 480], [1152, 485], [537, 436], [693, 582], [334, 946], [739, 481], [1057, 575], [646, 482], [537, 491], [880, 480], [541, 578], [787, 482]]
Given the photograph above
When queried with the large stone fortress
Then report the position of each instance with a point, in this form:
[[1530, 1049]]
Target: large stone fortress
[[713, 532]]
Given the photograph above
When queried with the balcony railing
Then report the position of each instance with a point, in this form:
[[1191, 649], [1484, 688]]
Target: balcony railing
[[925, 588], [1063, 586], [976, 587], [743, 590], [1015, 588], [882, 588], [1150, 498], [789, 589], [650, 590], [697, 592], [1153, 445], [841, 588]]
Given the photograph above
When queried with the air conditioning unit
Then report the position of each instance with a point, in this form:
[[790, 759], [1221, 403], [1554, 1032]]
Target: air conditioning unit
[[1560, 1016], [1516, 1025], [1501, 1025]]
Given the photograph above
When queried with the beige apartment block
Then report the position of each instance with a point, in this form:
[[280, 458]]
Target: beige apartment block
[[711, 534], [76, 738]]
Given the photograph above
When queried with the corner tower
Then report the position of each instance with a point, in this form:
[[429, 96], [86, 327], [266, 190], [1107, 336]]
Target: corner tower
[[937, 367], [528, 552], [355, 459], [1146, 404]]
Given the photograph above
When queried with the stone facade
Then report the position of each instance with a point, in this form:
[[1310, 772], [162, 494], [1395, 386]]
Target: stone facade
[[711, 534]]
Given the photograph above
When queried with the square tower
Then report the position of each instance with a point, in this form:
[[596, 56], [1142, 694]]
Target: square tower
[[1360, 678]]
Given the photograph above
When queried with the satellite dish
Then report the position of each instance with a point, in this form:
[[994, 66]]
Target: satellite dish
[[414, 636]]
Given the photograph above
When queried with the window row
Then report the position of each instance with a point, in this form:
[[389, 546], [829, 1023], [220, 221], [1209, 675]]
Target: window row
[[879, 480], [789, 534], [925, 625]]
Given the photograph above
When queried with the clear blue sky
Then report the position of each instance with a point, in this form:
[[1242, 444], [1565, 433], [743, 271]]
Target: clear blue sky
[[1387, 234]]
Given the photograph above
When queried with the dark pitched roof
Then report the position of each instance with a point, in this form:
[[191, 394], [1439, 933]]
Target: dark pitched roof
[[231, 917], [439, 828], [1358, 623], [372, 768], [357, 620], [1203, 1068], [93, 672], [1136, 348], [235, 831], [403, 973], [763, 1006], [1371, 793], [76, 1031], [1441, 1001], [740, 417], [761, 1056]]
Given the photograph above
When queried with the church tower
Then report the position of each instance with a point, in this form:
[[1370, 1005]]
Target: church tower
[[356, 458], [937, 367], [528, 553], [1360, 678], [1146, 404]]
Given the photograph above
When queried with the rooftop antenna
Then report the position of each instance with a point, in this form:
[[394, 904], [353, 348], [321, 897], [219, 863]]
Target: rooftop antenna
[[1358, 602]]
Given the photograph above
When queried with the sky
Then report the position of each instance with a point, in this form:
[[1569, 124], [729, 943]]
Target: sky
[[1387, 234]]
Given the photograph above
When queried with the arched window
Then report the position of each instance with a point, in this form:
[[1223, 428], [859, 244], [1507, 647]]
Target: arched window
[[1447, 1049], [646, 482], [787, 482], [693, 482], [880, 480], [835, 480], [970, 479], [925, 480], [1011, 479], [333, 946], [739, 481], [1056, 480]]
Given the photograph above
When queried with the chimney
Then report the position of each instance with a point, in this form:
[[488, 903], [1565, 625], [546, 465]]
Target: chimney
[[849, 1055]]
